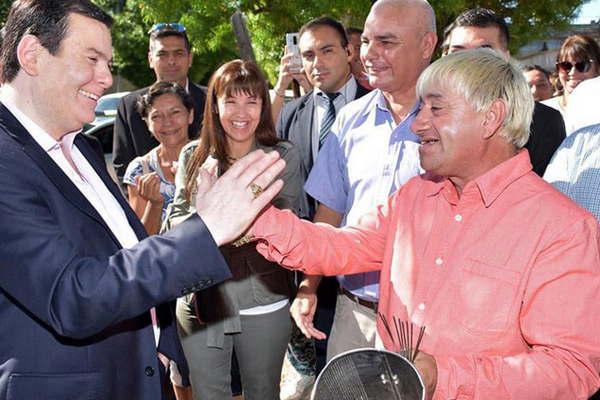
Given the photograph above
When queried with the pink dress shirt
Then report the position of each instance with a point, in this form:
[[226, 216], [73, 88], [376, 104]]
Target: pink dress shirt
[[506, 279]]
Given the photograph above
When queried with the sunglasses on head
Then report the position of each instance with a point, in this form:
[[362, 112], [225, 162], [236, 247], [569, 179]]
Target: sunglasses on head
[[581, 66], [167, 26]]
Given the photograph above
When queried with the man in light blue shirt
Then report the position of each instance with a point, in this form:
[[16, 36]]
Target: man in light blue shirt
[[575, 168], [369, 153]]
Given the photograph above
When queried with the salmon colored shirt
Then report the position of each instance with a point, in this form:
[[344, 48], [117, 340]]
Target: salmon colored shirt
[[506, 279]]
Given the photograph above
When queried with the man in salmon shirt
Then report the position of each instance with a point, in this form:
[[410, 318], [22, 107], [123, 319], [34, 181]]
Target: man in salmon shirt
[[502, 269]]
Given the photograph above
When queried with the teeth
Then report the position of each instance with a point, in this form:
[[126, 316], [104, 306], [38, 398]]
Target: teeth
[[428, 141], [239, 124], [89, 95]]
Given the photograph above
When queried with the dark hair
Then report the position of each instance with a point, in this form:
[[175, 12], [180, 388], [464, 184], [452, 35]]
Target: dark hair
[[581, 48], [237, 76], [45, 19], [536, 67], [484, 18], [162, 33], [351, 30], [445, 43], [145, 102], [326, 21]]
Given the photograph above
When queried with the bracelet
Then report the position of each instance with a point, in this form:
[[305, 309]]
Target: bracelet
[[243, 240]]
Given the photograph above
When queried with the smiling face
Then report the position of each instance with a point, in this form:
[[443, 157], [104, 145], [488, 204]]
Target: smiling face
[[570, 79], [239, 115], [168, 119], [395, 48], [451, 134], [69, 83], [325, 61], [170, 59]]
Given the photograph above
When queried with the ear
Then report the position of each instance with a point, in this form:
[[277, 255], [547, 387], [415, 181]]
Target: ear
[[349, 52], [28, 53], [428, 44], [190, 58], [494, 118], [150, 59]]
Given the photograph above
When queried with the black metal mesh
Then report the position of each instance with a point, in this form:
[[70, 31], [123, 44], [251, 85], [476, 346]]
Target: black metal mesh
[[368, 374]]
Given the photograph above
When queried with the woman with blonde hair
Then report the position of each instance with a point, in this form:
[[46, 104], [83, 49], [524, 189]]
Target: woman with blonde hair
[[250, 312]]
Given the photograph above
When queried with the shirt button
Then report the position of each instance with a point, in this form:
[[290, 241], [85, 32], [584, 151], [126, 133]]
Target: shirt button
[[422, 306], [458, 217], [439, 261], [149, 371]]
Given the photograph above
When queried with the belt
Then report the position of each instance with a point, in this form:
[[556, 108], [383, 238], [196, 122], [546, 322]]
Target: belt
[[365, 303]]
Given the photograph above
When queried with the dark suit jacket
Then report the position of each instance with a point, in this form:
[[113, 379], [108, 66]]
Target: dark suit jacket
[[295, 124], [131, 136], [547, 133], [73, 304]]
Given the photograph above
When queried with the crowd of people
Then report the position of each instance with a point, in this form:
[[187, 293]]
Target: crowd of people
[[259, 238]]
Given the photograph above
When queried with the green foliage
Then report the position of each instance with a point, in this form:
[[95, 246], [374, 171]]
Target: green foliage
[[529, 20], [209, 27]]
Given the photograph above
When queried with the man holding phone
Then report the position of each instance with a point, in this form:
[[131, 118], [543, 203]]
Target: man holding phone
[[325, 56]]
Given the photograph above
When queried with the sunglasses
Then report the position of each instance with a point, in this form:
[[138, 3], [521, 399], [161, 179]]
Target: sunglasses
[[582, 66], [167, 26]]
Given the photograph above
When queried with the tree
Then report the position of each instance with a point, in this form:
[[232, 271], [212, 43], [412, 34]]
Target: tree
[[209, 28], [528, 20]]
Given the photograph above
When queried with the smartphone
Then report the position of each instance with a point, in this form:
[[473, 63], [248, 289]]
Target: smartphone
[[291, 43]]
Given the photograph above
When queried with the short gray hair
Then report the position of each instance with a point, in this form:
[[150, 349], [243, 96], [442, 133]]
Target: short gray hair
[[482, 76]]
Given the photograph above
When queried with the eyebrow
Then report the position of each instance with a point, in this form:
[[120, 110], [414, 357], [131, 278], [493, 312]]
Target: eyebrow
[[327, 46], [101, 54], [433, 96], [385, 36]]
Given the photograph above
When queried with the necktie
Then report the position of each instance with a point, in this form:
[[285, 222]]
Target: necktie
[[328, 118]]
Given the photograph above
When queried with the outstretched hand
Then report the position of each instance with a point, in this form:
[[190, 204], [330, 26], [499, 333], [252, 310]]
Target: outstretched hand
[[227, 205]]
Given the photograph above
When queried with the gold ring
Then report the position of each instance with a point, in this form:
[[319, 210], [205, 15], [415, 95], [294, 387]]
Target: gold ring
[[256, 190]]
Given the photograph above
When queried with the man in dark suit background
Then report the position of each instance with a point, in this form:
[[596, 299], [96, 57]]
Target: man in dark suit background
[[78, 276], [170, 56], [326, 55], [481, 27]]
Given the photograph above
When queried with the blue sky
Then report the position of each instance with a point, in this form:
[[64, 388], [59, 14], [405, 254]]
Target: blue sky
[[589, 11]]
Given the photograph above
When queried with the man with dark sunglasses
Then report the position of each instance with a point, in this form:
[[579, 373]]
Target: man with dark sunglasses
[[481, 27], [169, 55]]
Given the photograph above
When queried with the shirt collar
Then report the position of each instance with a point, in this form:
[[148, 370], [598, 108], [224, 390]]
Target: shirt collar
[[347, 92], [491, 184], [382, 106], [43, 138]]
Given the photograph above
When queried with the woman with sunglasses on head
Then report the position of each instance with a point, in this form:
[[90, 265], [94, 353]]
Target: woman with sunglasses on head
[[250, 312], [578, 59]]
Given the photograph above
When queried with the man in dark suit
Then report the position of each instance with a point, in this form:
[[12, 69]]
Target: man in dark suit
[[78, 278], [169, 55], [326, 55], [481, 27]]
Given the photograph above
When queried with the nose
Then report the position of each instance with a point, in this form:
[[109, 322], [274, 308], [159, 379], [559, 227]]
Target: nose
[[367, 51], [421, 121], [104, 76]]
